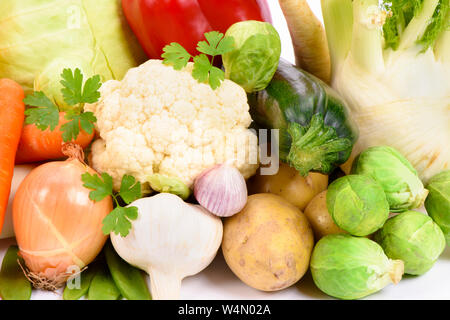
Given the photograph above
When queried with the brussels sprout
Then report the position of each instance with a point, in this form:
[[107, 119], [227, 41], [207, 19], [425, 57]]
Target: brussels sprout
[[414, 238], [395, 174], [357, 204], [257, 52], [438, 202], [348, 267]]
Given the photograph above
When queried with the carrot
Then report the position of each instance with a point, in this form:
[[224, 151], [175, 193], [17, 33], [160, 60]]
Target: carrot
[[11, 122], [36, 145]]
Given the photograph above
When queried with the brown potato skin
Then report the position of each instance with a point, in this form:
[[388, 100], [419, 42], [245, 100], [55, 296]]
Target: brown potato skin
[[319, 217], [290, 184], [268, 244]]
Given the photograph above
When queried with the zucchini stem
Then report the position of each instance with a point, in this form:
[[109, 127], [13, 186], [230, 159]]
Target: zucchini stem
[[315, 148]]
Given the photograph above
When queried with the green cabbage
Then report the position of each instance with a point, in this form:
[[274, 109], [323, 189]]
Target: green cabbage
[[39, 38]]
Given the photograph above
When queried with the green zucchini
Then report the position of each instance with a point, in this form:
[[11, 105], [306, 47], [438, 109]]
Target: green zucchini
[[316, 132]]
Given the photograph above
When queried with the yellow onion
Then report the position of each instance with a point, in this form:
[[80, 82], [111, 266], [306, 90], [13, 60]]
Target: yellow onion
[[57, 226]]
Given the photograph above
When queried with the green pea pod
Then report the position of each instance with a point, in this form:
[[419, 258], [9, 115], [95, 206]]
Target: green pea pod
[[85, 282], [13, 283], [128, 279], [103, 287]]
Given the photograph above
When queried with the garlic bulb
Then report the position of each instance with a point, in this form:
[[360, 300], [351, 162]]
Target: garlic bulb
[[221, 190], [170, 240]]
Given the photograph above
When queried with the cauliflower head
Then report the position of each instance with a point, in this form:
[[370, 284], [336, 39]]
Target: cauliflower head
[[158, 120]]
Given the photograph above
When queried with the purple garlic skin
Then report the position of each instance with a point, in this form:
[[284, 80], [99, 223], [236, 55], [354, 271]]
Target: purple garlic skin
[[221, 190]]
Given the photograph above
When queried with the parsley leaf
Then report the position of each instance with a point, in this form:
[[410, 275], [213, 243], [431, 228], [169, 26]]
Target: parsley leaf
[[204, 71], [73, 91], [130, 190], [175, 55], [71, 129], [119, 220], [216, 44], [202, 66], [216, 76], [87, 120], [102, 186], [45, 115]]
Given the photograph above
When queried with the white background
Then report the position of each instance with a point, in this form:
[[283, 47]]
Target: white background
[[218, 282]]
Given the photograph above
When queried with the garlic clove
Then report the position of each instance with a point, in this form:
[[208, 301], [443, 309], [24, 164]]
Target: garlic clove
[[221, 190]]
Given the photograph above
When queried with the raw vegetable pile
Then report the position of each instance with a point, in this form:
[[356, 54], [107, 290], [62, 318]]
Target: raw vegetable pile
[[149, 165]]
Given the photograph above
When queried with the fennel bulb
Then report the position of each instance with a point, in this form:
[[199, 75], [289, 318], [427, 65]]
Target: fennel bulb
[[391, 63]]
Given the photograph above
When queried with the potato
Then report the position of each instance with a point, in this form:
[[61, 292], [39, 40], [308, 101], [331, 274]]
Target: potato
[[289, 184], [319, 217], [268, 244]]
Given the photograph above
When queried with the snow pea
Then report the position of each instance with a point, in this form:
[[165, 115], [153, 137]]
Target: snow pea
[[128, 279], [13, 283], [85, 282], [103, 287]]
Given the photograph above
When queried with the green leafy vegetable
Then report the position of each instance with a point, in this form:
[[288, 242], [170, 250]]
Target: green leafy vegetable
[[204, 70], [118, 221], [176, 55], [85, 282], [102, 186], [102, 286], [46, 113], [73, 90], [14, 285], [128, 279], [71, 129], [402, 12]]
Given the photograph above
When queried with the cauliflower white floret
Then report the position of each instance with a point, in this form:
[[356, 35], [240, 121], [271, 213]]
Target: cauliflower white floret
[[160, 120]]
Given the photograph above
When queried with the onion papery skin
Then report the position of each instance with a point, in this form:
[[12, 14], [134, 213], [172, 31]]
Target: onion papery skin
[[57, 226]]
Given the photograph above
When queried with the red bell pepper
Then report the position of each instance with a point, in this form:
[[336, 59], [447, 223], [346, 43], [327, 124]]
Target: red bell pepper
[[157, 23]]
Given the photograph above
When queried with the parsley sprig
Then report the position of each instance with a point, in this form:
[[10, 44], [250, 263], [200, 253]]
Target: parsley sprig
[[45, 113], [204, 71], [119, 220]]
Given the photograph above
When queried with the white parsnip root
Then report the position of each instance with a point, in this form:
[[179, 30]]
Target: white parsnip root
[[308, 37]]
